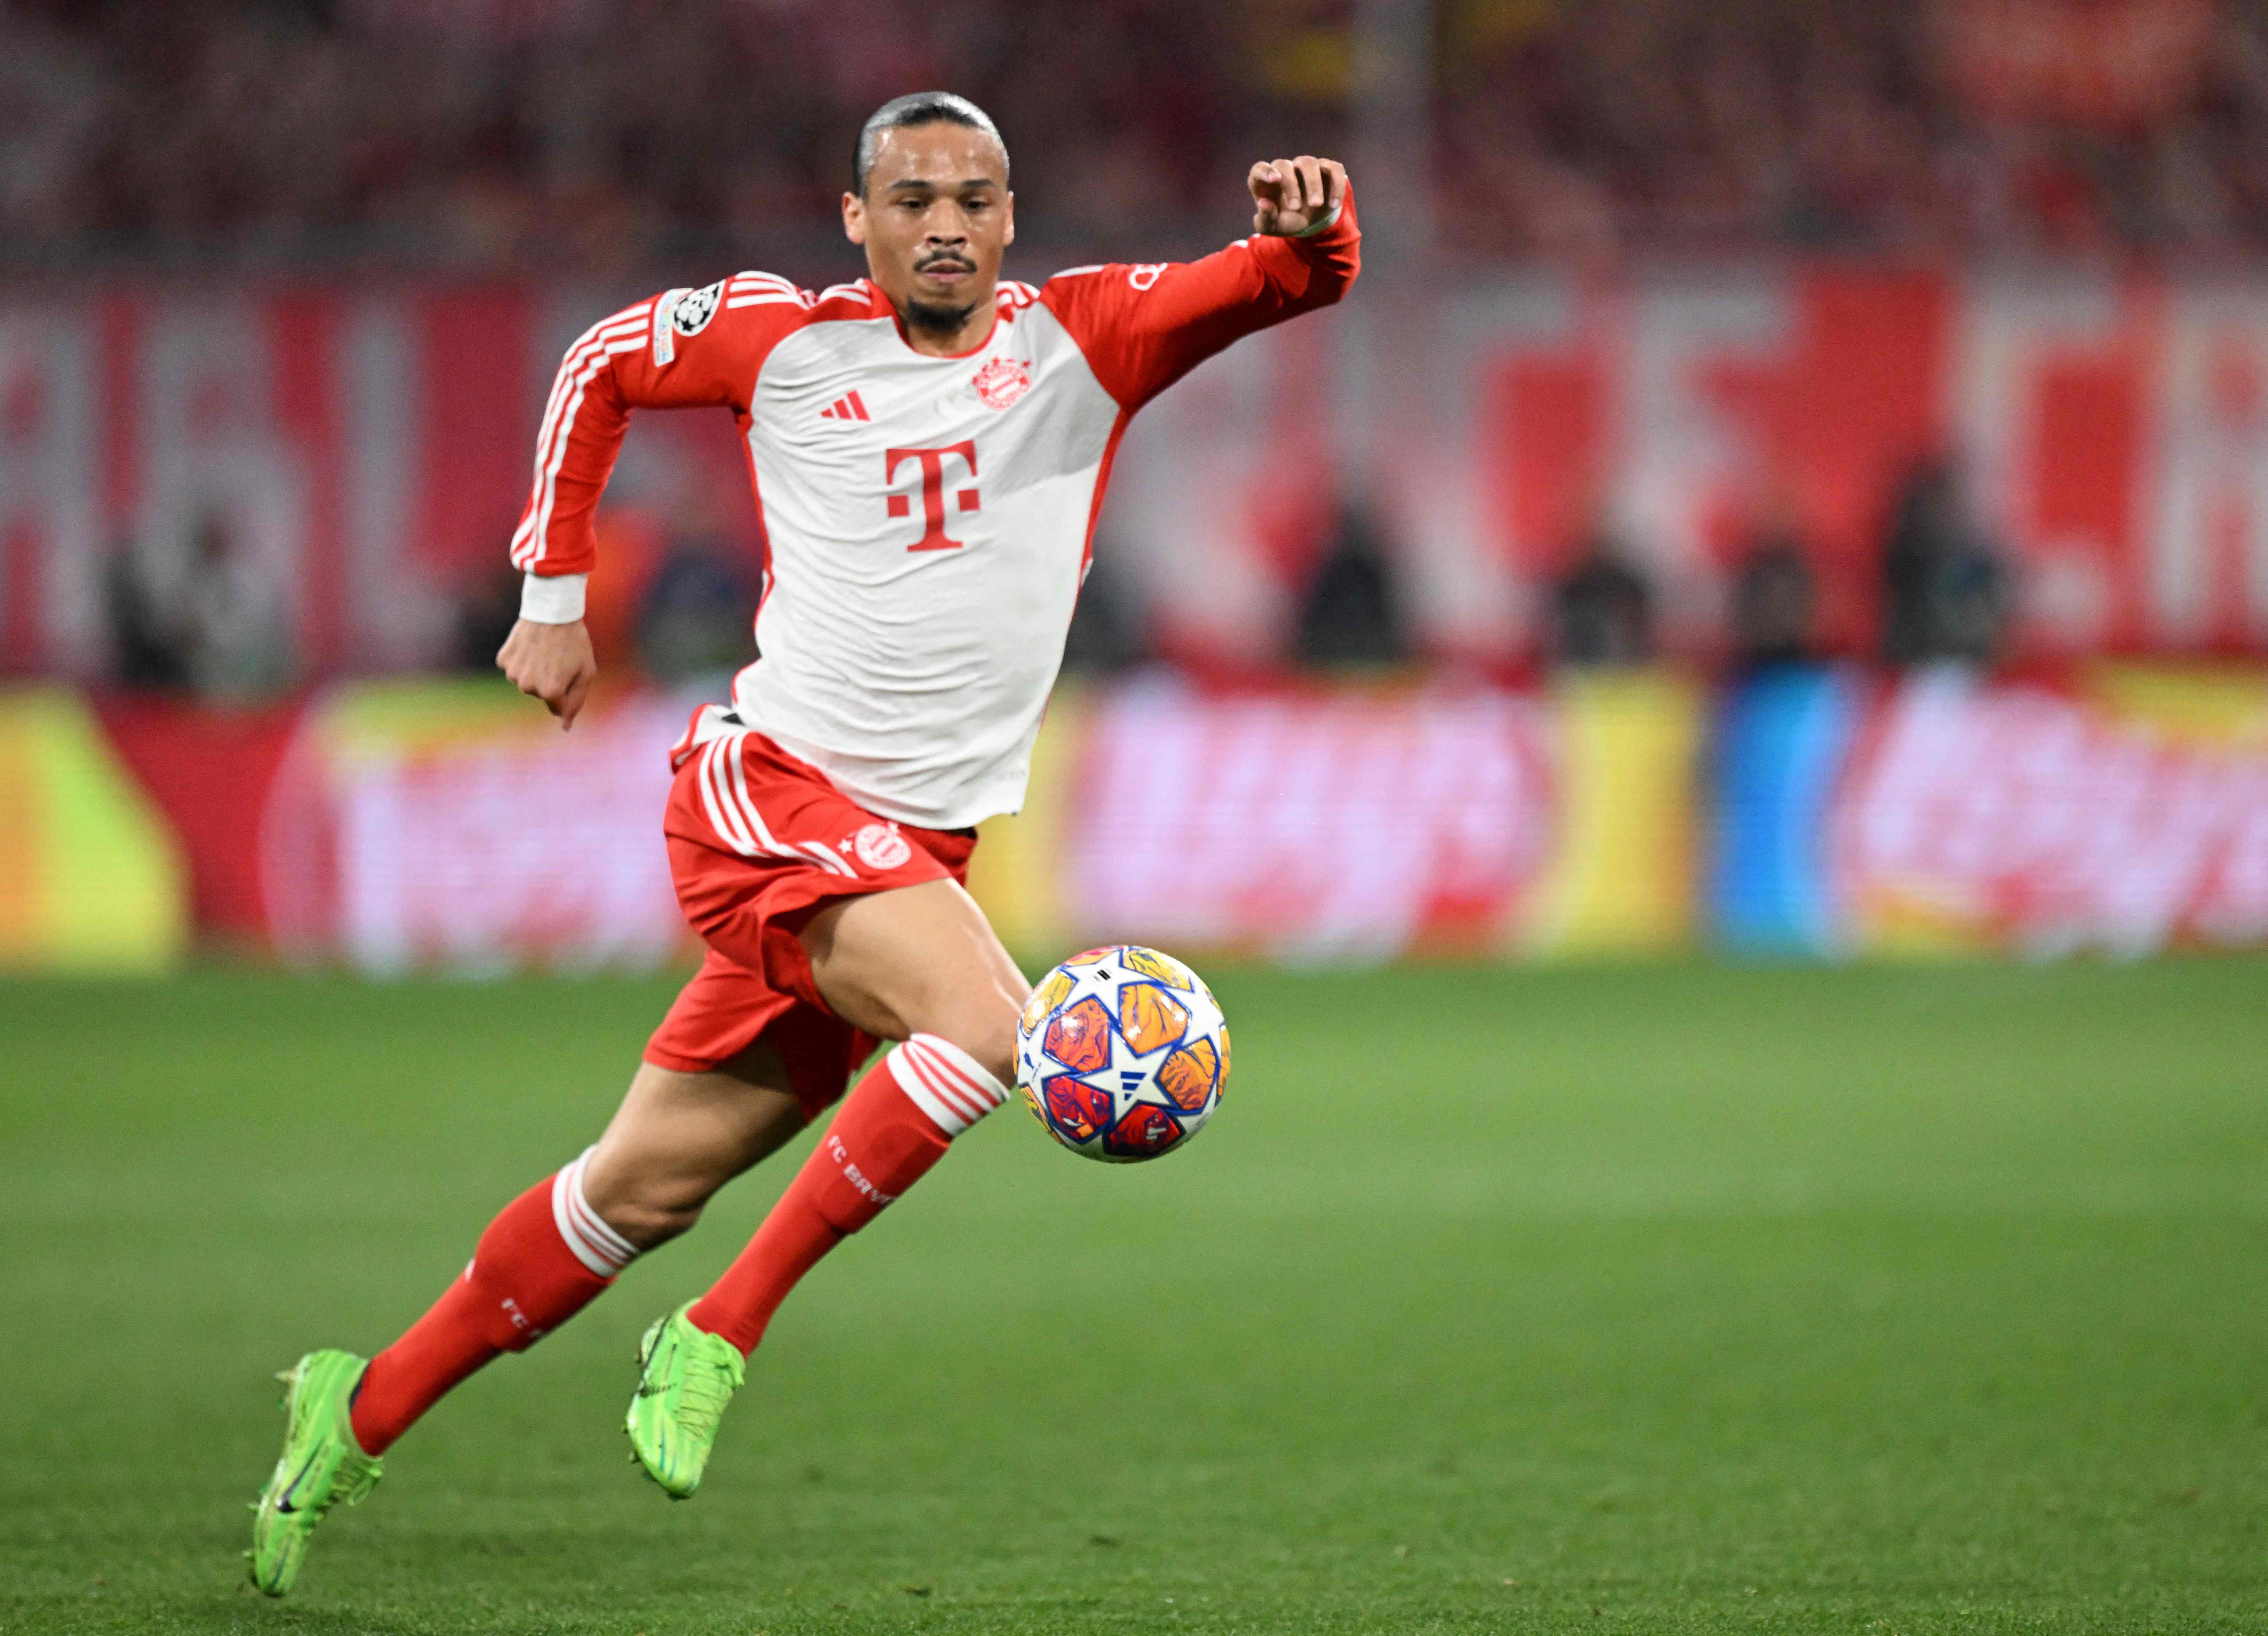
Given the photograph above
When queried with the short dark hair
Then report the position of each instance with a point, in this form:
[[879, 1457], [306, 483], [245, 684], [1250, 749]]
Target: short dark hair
[[919, 107]]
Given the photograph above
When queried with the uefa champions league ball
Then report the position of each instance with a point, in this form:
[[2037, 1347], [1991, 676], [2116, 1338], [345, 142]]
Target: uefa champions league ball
[[1121, 1053]]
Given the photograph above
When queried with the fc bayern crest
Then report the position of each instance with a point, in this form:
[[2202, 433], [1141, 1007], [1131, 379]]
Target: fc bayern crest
[[696, 309], [1002, 381], [880, 847]]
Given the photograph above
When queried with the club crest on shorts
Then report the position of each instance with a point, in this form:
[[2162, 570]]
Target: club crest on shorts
[[695, 308], [1002, 381], [880, 847]]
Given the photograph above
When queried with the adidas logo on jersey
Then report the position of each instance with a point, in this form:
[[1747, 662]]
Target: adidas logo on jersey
[[849, 408]]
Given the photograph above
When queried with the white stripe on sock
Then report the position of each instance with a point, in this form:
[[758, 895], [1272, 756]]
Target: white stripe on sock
[[924, 1068], [960, 1111], [596, 1245], [945, 1082], [961, 1071]]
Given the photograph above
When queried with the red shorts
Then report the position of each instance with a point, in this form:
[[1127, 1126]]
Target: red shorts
[[760, 842]]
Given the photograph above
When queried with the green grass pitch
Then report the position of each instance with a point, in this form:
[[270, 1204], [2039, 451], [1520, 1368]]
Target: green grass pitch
[[1670, 1298]]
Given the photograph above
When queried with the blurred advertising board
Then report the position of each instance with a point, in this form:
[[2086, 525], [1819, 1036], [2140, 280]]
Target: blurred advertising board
[[1349, 821], [357, 454], [91, 881], [1805, 811], [2128, 817], [2123, 810], [451, 825]]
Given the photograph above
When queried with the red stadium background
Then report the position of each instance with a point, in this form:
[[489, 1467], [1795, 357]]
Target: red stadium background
[[368, 448]]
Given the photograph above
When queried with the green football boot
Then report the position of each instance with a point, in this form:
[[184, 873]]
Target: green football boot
[[685, 1376], [322, 1466]]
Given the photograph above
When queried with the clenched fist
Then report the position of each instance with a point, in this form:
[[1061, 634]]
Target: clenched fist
[[1290, 196], [552, 662]]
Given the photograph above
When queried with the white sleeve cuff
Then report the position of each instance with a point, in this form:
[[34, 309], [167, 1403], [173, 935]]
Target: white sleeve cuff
[[1324, 225], [552, 599]]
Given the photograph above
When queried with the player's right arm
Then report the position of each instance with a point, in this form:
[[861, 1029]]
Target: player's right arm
[[684, 349]]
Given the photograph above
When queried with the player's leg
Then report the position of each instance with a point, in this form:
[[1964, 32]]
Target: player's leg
[[922, 966], [922, 960], [677, 1138], [918, 964]]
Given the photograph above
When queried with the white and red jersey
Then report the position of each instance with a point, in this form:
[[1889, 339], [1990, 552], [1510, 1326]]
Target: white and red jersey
[[926, 520]]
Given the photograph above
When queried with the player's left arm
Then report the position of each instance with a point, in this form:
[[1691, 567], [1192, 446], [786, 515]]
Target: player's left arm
[[1143, 328]]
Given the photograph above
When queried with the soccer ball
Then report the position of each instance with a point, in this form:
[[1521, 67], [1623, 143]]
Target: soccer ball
[[1121, 1053]]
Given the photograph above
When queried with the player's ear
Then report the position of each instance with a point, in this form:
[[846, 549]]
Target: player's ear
[[854, 218]]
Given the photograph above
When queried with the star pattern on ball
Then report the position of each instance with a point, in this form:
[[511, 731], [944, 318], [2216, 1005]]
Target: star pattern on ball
[[1131, 1077]]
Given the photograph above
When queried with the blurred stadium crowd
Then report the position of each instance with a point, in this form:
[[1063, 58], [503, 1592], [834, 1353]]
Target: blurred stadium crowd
[[507, 134], [578, 134]]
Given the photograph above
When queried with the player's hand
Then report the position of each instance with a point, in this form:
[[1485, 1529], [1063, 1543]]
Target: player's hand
[[553, 663], [1290, 196]]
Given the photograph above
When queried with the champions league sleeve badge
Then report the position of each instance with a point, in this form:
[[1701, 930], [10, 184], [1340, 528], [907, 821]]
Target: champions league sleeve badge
[[682, 313], [696, 309]]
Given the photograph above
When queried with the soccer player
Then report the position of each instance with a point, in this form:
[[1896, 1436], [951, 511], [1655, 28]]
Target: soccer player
[[929, 448]]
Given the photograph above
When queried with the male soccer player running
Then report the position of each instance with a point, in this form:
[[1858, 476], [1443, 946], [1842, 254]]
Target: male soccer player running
[[929, 448]]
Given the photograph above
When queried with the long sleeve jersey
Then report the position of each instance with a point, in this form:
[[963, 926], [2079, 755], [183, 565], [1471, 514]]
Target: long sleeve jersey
[[926, 522]]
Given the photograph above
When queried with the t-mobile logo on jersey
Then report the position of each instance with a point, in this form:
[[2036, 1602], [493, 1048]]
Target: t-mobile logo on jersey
[[933, 476]]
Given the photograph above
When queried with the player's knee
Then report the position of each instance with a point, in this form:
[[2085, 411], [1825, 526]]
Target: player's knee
[[985, 1027], [650, 1223], [649, 1213]]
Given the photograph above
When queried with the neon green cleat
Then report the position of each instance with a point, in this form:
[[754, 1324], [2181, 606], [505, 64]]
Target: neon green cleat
[[322, 1466], [685, 1376]]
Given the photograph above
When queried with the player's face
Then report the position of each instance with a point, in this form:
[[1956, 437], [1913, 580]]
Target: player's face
[[936, 216]]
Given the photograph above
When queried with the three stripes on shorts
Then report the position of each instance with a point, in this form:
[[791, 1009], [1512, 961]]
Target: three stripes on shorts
[[724, 783]]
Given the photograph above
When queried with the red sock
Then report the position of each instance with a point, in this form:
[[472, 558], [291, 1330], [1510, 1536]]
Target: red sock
[[536, 1266], [896, 1124]]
